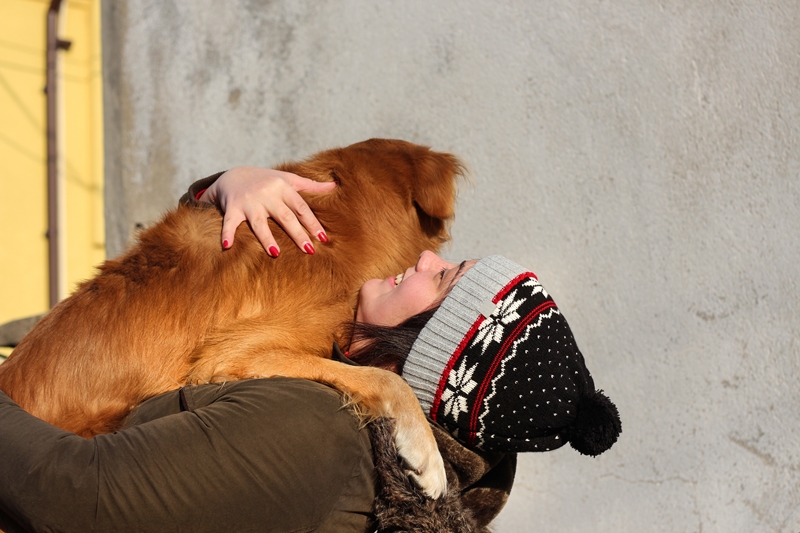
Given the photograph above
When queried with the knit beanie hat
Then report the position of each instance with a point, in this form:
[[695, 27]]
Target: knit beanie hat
[[498, 367]]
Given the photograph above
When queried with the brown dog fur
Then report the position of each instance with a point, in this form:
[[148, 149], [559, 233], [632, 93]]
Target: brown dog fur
[[177, 309]]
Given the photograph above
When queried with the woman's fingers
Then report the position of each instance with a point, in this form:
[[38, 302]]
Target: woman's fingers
[[289, 220], [260, 226], [305, 216], [300, 207], [306, 185], [257, 194], [230, 221]]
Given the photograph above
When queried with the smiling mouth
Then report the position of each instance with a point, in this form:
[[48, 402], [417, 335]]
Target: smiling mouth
[[398, 279]]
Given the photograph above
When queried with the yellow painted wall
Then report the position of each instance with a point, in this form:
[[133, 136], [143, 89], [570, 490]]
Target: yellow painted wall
[[23, 171]]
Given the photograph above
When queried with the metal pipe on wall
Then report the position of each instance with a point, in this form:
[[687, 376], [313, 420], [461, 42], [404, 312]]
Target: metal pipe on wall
[[53, 45]]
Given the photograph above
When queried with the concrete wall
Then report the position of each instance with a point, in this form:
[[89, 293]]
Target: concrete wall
[[641, 157]]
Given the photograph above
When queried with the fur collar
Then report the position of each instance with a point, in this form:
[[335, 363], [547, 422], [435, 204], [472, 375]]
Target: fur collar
[[478, 487]]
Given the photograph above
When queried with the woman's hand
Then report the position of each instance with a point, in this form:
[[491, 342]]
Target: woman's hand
[[256, 194]]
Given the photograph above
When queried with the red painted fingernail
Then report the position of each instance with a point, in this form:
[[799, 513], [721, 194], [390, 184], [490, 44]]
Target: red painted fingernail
[[225, 244], [273, 251], [322, 237], [308, 248]]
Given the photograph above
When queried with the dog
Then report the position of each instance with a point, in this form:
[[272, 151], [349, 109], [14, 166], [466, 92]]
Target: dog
[[176, 309]]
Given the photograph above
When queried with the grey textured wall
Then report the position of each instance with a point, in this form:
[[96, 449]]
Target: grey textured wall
[[642, 157]]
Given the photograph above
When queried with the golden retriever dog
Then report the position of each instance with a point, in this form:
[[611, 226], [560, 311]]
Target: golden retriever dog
[[176, 309]]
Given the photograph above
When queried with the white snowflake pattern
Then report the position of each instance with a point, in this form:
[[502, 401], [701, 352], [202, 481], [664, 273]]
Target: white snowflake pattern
[[491, 329], [537, 287], [459, 385]]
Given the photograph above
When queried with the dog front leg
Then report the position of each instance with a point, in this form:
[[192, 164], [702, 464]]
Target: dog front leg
[[381, 393]]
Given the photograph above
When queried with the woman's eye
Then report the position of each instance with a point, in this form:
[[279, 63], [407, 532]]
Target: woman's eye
[[441, 274]]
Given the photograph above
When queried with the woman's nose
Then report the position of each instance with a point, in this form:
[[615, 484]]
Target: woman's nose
[[428, 261]]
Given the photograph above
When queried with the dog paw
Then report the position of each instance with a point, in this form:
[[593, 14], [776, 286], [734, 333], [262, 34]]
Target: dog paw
[[418, 449]]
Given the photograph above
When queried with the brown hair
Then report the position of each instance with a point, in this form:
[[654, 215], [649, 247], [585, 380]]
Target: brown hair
[[386, 347]]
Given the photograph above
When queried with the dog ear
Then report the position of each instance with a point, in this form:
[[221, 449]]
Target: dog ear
[[434, 187], [432, 180]]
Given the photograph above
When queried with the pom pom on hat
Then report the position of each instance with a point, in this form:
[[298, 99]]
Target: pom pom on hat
[[597, 425], [497, 366]]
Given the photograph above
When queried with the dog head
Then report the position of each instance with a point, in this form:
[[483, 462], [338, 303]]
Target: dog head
[[394, 189], [425, 178], [394, 200]]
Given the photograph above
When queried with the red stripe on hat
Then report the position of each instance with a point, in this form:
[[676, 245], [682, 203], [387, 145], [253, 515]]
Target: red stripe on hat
[[463, 344], [473, 423], [437, 398], [505, 290]]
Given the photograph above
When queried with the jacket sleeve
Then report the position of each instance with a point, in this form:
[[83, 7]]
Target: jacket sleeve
[[190, 197], [217, 457], [47, 473]]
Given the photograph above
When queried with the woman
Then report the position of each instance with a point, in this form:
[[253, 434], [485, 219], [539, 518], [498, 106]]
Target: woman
[[481, 343]]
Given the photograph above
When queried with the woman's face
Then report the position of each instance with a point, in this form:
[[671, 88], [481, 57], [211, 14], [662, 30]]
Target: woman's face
[[390, 301]]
